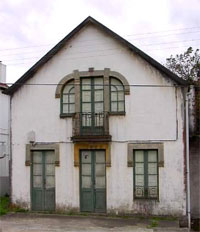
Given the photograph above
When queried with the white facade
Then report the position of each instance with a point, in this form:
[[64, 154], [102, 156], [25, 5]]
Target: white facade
[[153, 115], [4, 134]]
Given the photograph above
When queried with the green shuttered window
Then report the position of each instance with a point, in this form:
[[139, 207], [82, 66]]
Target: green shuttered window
[[145, 174], [68, 99], [117, 96]]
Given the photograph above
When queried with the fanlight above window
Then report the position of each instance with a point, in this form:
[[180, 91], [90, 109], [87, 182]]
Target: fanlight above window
[[68, 98]]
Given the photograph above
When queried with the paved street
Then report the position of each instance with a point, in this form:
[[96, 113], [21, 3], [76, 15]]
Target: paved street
[[22, 222]]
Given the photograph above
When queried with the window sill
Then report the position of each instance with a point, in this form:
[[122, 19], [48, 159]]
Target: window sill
[[145, 199], [67, 115], [117, 113]]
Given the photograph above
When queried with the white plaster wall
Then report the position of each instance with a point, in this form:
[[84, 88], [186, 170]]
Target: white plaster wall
[[151, 115]]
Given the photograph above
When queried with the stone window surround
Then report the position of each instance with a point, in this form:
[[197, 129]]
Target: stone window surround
[[76, 75], [41, 147], [146, 146]]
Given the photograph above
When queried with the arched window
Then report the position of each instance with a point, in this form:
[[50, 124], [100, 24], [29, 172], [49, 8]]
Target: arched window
[[117, 96], [68, 98]]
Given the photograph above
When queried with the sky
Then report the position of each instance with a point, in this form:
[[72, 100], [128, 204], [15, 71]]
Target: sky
[[30, 28]]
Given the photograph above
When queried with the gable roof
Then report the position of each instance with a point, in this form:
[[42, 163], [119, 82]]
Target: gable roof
[[27, 75]]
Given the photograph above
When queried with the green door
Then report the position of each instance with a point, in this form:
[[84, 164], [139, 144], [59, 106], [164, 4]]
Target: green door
[[93, 181], [43, 180], [92, 105]]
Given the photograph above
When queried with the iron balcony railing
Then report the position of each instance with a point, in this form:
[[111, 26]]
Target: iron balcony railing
[[90, 124]]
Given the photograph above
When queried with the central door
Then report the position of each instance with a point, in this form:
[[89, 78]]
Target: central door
[[92, 181], [43, 180]]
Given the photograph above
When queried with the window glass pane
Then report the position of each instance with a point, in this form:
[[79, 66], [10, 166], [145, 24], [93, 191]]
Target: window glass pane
[[152, 156], [65, 108], [86, 96], [139, 168], [100, 182], [50, 169], [117, 83], [100, 157], [139, 180], [86, 181], [139, 156], [65, 98], [71, 98], [50, 157], [100, 169], [139, 191], [121, 96], [86, 156], [98, 107], [86, 107], [71, 108], [37, 169], [113, 96], [71, 91], [153, 192], [113, 88], [37, 157], [86, 169], [114, 106], [50, 182], [98, 95], [86, 119], [120, 106], [37, 181], [68, 87], [152, 180], [152, 168], [86, 83], [98, 83], [98, 120]]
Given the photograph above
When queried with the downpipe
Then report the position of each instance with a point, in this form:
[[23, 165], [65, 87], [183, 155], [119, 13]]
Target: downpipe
[[188, 159]]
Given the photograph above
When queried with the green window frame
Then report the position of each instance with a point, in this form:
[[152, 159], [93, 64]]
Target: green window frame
[[68, 99], [146, 174], [117, 96]]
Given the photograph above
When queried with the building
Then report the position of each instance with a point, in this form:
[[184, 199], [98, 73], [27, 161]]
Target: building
[[98, 126], [4, 133]]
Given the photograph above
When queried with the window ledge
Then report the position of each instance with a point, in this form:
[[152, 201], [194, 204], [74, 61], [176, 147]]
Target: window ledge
[[146, 199], [117, 113], [67, 115]]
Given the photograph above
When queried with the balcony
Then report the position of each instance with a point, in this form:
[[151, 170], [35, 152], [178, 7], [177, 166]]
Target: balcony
[[93, 127]]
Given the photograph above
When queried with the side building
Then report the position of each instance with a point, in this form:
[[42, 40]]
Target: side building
[[4, 134]]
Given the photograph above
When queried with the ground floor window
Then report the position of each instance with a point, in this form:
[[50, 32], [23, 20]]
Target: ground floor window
[[145, 171]]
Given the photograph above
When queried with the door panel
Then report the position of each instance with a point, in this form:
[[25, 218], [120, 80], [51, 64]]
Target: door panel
[[93, 181], [86, 181], [43, 180]]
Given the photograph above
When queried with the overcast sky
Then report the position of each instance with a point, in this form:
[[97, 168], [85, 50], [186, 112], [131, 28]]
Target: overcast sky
[[29, 28]]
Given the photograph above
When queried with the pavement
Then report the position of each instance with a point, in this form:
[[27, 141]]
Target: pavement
[[32, 222]]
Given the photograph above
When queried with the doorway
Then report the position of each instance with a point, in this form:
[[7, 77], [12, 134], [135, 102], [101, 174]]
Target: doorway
[[92, 181], [43, 180]]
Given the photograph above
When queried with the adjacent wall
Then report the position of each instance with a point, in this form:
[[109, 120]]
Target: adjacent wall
[[4, 135]]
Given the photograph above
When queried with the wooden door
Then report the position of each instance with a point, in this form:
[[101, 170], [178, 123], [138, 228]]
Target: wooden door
[[93, 181], [43, 180]]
